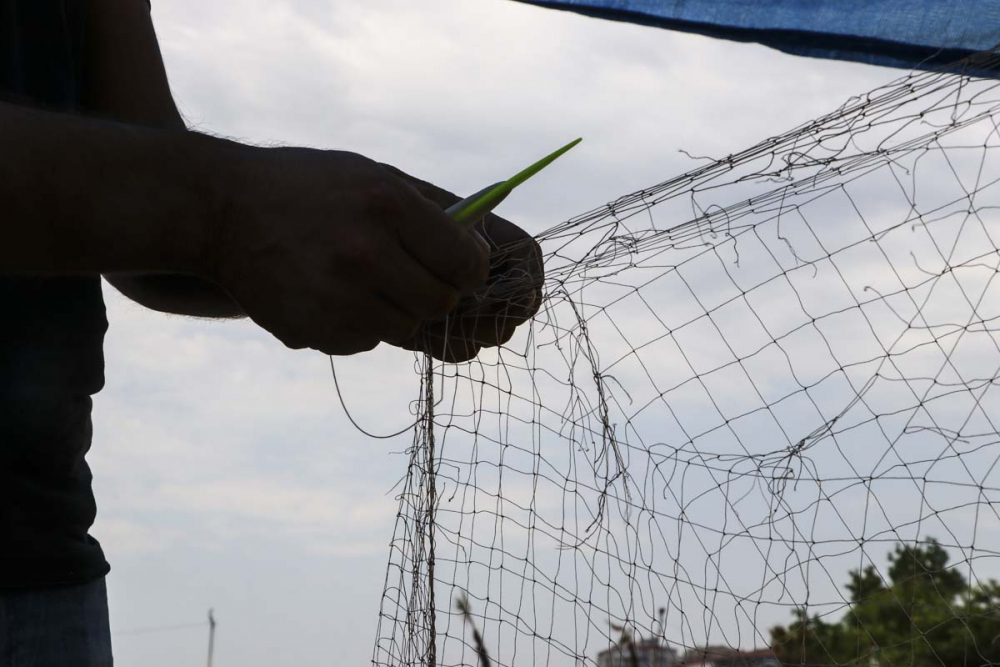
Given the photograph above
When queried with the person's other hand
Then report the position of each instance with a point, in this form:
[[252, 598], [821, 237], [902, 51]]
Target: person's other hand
[[488, 316], [329, 250]]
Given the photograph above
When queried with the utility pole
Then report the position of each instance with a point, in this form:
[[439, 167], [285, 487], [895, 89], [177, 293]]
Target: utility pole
[[211, 636]]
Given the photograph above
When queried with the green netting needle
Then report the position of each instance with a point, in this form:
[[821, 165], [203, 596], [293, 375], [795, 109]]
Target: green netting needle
[[472, 209]]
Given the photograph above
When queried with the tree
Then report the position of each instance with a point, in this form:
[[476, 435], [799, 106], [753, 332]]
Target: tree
[[813, 641], [925, 615]]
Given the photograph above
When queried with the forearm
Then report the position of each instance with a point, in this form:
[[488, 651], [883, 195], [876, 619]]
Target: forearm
[[83, 196], [125, 81], [178, 295]]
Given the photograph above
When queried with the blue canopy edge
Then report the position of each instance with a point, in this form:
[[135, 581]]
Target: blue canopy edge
[[920, 34]]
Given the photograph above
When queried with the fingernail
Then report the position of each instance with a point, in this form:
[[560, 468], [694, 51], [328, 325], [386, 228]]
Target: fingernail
[[483, 243]]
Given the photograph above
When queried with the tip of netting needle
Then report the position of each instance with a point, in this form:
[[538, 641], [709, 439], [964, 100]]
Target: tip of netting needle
[[471, 209]]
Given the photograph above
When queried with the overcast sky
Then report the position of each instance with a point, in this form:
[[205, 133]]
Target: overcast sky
[[225, 470]]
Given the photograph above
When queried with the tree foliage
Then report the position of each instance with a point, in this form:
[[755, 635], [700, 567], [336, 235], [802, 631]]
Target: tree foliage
[[921, 613]]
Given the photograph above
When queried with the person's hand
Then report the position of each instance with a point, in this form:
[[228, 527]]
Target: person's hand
[[330, 251], [488, 316]]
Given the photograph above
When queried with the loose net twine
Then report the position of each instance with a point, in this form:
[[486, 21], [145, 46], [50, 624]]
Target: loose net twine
[[743, 383]]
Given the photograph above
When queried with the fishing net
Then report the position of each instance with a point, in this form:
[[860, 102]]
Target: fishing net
[[744, 383]]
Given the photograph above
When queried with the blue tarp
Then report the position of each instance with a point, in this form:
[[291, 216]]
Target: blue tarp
[[897, 33]]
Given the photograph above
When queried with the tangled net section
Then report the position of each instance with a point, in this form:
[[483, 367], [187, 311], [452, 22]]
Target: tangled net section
[[746, 386]]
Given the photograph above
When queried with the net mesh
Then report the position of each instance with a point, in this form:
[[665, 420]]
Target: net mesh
[[744, 383]]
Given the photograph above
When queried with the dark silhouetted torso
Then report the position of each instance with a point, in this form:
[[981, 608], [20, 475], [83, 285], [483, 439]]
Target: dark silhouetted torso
[[51, 339]]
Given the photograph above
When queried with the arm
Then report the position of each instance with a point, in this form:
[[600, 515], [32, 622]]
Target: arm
[[83, 196], [125, 81], [324, 249]]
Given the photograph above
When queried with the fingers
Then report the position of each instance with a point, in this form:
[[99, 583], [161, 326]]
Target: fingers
[[441, 197], [358, 326], [439, 260], [343, 346], [435, 241], [460, 338], [330, 339], [388, 322], [517, 273], [413, 289], [490, 317], [434, 340], [490, 330]]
